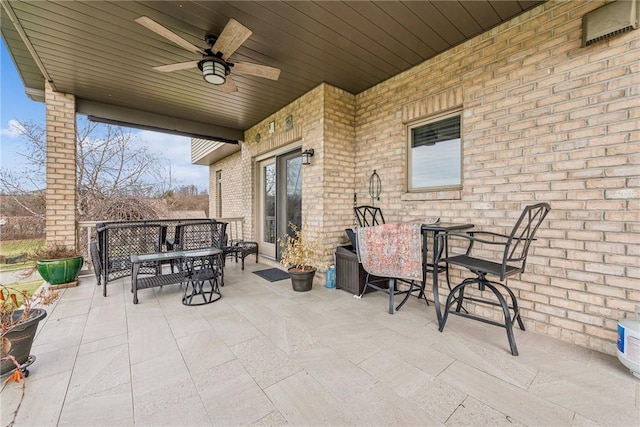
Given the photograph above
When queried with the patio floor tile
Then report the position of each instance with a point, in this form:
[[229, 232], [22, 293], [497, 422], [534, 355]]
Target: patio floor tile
[[266, 363], [265, 355], [304, 401], [231, 396], [506, 398]]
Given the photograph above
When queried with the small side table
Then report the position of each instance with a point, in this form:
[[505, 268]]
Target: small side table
[[202, 268]]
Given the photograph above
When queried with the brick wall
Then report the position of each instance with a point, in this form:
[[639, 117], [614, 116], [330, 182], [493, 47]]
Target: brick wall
[[324, 121], [61, 196], [306, 133], [543, 119], [339, 164], [232, 193]]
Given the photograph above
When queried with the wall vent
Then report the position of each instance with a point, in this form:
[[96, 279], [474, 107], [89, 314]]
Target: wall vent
[[609, 20]]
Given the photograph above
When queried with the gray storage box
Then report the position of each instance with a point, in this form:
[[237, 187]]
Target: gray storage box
[[350, 276]]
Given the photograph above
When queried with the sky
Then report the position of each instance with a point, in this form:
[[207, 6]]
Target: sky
[[16, 106]]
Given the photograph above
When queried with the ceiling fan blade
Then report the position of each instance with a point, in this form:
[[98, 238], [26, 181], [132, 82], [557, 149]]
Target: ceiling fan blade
[[232, 36], [168, 34], [229, 86], [256, 70], [175, 67]]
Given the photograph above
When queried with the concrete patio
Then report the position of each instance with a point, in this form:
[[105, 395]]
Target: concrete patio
[[264, 355]]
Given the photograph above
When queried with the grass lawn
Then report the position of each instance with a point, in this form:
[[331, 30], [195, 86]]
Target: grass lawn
[[12, 248]]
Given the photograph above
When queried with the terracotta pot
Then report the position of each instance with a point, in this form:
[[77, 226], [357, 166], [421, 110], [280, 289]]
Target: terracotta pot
[[302, 281], [59, 271], [21, 338]]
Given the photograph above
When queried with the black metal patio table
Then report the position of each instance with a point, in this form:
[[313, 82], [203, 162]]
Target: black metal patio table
[[200, 265], [436, 266]]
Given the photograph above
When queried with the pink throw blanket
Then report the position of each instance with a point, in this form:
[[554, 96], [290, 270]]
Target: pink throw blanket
[[392, 250]]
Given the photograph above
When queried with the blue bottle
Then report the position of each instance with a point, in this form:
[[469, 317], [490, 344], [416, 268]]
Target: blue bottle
[[331, 277]]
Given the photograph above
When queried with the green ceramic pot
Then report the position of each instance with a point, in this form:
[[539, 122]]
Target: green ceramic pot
[[59, 271]]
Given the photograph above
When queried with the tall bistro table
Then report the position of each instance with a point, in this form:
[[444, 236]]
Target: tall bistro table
[[198, 271], [436, 266]]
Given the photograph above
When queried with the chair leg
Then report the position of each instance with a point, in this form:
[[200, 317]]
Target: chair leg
[[366, 284], [514, 305], [392, 290], [458, 300], [508, 324], [457, 294], [450, 299], [407, 295]]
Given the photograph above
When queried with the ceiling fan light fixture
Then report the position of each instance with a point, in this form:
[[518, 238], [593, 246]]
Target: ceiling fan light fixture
[[214, 70]]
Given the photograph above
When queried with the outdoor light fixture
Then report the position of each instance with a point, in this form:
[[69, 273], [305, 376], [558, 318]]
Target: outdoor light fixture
[[306, 156], [214, 70]]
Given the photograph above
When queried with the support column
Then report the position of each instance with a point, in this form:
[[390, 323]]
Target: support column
[[61, 193]]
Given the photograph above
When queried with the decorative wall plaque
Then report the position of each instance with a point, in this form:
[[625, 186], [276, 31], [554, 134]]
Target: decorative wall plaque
[[288, 122], [257, 137]]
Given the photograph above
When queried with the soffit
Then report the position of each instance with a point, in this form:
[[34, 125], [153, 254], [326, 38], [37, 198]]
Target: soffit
[[95, 50]]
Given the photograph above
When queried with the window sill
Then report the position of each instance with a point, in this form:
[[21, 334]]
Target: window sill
[[432, 195]]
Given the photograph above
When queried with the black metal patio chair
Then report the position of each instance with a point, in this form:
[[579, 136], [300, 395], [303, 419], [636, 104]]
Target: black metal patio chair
[[391, 253], [200, 235], [371, 216], [513, 249], [239, 249], [368, 215]]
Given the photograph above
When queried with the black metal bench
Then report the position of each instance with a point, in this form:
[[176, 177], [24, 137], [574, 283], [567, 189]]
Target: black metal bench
[[116, 243], [118, 240]]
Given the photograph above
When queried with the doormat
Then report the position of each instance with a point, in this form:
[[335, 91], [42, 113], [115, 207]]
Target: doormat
[[272, 274]]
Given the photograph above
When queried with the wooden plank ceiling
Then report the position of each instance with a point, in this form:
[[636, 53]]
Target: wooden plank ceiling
[[97, 52]]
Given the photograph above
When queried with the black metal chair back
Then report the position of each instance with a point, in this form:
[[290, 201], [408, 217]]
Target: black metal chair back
[[200, 234], [522, 235], [116, 243], [368, 215]]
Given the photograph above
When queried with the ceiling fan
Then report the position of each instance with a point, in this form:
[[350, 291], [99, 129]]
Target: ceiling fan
[[214, 64]]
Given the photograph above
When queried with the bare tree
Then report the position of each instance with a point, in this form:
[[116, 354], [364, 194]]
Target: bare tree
[[186, 198], [23, 186], [110, 166]]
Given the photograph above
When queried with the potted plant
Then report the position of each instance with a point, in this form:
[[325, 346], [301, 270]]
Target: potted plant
[[57, 264], [302, 255], [20, 314]]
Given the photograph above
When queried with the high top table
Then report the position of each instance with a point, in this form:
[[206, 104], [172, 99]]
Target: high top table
[[435, 266]]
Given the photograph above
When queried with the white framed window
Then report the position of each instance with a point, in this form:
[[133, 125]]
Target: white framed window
[[435, 154]]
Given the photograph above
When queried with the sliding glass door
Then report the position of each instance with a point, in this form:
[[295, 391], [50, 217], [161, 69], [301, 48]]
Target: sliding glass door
[[280, 184]]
